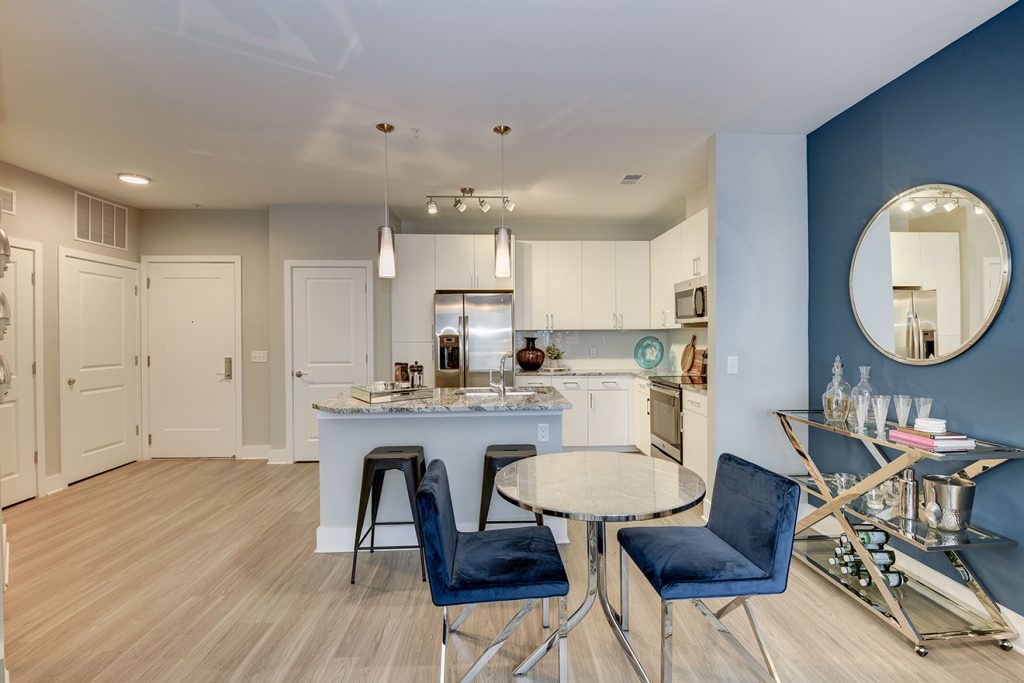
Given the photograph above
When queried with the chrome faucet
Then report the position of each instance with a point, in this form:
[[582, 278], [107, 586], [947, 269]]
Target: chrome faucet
[[500, 386]]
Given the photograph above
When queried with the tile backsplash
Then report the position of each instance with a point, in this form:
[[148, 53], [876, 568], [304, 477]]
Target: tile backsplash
[[612, 349]]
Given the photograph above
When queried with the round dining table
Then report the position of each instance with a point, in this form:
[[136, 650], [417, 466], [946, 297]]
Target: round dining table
[[597, 487]]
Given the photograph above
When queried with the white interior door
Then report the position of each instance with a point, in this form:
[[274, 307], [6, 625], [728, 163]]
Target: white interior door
[[191, 364], [99, 404], [18, 408], [330, 344]]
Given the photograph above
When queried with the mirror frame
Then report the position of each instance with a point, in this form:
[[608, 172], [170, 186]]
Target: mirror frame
[[1004, 283]]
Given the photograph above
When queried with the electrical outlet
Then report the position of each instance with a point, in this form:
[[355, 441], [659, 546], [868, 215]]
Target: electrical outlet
[[259, 357], [593, 352], [732, 365], [542, 433]]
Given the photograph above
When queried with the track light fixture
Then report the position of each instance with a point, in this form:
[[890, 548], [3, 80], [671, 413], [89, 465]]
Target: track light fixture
[[978, 210], [509, 205], [462, 200], [908, 204], [950, 205], [431, 206], [460, 206], [930, 205], [484, 206]]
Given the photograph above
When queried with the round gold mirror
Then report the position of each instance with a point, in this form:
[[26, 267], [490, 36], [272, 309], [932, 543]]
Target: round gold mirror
[[929, 274]]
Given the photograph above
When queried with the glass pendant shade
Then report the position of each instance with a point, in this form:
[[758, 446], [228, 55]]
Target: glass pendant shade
[[385, 252], [503, 252]]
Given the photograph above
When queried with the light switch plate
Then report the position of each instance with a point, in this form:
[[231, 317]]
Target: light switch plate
[[542, 433], [593, 352], [259, 357], [732, 365]]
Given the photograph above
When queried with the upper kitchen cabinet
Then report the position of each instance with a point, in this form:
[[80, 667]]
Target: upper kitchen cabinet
[[666, 271], [412, 291], [549, 291], [616, 281], [695, 245], [466, 262]]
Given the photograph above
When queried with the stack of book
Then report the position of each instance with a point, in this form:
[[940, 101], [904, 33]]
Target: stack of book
[[942, 442]]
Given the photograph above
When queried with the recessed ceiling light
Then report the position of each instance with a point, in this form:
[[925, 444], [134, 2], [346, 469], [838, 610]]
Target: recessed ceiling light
[[631, 179], [133, 178]]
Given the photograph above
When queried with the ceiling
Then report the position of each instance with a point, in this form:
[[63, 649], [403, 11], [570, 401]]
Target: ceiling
[[246, 103]]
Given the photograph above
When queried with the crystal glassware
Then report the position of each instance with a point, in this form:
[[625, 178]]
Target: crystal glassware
[[836, 399], [875, 498], [923, 405], [864, 388], [881, 406], [902, 404], [845, 481], [862, 406], [891, 488]]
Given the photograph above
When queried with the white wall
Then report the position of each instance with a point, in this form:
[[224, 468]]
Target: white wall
[[757, 195]]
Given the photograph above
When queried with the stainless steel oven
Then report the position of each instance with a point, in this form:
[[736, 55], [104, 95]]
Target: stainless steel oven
[[692, 301], [667, 419]]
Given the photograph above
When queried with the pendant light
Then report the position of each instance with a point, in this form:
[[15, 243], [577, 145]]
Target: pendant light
[[385, 235], [503, 235]]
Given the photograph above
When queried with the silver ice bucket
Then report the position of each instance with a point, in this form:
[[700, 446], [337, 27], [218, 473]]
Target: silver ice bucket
[[948, 501]]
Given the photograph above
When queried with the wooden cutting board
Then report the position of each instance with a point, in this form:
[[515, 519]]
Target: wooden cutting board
[[688, 353]]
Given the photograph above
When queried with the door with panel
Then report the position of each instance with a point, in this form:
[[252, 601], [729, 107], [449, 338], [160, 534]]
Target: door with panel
[[18, 409], [565, 285], [455, 261], [99, 347], [191, 367], [531, 296], [608, 421], [598, 310], [633, 285], [330, 344]]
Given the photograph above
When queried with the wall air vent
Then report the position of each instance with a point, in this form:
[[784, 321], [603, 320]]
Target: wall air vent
[[100, 222], [631, 179], [8, 201]]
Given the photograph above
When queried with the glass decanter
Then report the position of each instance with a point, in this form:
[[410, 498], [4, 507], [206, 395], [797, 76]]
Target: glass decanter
[[836, 399], [864, 388]]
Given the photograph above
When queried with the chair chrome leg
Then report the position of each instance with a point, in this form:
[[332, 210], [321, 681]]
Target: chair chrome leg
[[623, 589], [444, 638], [759, 636], [563, 640], [499, 640], [666, 641], [545, 618], [466, 611]]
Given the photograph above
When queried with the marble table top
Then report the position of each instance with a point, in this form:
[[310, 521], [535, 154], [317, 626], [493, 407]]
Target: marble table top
[[448, 401], [600, 486]]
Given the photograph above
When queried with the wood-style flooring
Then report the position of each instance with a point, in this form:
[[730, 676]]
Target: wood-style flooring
[[204, 571]]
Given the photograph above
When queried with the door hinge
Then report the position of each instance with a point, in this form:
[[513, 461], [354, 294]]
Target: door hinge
[[136, 430], [33, 368], [148, 362], [367, 357], [147, 283], [33, 279], [150, 439], [136, 360], [35, 457], [136, 290]]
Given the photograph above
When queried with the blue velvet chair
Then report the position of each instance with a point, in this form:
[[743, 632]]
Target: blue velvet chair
[[467, 568], [744, 550]]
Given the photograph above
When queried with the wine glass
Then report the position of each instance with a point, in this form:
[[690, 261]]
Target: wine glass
[[881, 406], [862, 404]]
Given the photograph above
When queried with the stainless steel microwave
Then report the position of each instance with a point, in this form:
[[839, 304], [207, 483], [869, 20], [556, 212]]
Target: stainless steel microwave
[[692, 301]]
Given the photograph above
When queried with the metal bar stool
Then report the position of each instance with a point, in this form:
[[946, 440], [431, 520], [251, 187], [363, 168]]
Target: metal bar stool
[[376, 463], [495, 457]]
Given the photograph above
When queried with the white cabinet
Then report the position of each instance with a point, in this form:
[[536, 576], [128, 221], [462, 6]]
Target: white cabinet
[[666, 259], [549, 294], [906, 259], [574, 420], [642, 416], [633, 285], [695, 434], [609, 417], [412, 291], [931, 260], [466, 262], [598, 306], [531, 305], [532, 381], [694, 243]]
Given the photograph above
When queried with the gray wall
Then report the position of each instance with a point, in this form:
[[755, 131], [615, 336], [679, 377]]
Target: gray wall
[[46, 214], [244, 233]]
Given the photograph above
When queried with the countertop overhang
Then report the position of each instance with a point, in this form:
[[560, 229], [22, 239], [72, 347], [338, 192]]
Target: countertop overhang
[[447, 401]]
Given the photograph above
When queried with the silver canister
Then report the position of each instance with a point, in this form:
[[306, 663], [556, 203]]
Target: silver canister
[[948, 501], [908, 494]]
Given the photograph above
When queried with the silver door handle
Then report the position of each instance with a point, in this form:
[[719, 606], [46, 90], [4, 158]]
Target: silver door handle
[[300, 374], [648, 405], [71, 381], [227, 368], [591, 401]]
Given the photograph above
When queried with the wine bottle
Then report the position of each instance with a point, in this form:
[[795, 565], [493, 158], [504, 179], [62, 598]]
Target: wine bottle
[[893, 579], [882, 558], [873, 537]]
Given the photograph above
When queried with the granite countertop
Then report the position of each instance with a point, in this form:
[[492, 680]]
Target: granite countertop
[[696, 388], [449, 401], [594, 372]]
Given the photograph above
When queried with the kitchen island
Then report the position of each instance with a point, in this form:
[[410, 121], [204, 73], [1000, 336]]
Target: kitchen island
[[452, 425]]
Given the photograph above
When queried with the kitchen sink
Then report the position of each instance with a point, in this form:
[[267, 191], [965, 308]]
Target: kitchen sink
[[486, 392]]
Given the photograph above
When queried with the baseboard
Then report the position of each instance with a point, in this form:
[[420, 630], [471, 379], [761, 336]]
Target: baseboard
[[279, 456], [53, 484], [254, 452]]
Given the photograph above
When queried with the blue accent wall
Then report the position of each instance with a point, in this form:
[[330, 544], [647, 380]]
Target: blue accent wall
[[956, 118]]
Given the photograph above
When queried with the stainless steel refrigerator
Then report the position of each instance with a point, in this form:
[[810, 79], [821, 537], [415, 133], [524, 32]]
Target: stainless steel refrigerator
[[472, 331], [915, 315]]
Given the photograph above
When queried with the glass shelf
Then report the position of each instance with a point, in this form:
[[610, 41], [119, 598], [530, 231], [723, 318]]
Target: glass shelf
[[934, 614], [983, 450], [916, 532]]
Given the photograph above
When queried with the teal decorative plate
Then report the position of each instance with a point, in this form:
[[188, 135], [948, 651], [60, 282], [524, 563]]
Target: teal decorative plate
[[649, 352]]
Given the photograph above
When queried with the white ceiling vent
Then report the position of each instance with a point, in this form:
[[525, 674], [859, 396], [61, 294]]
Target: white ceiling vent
[[8, 201], [100, 222], [631, 179]]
